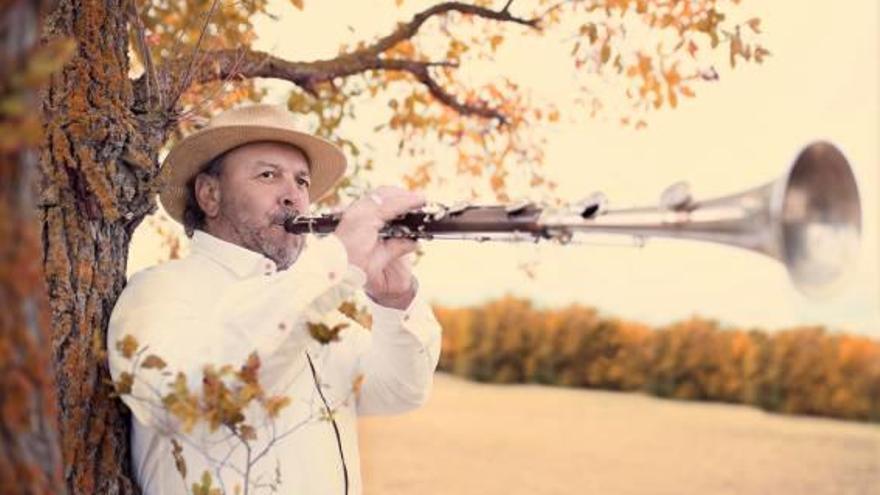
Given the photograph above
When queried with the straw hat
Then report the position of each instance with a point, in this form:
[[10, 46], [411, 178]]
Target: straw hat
[[239, 126]]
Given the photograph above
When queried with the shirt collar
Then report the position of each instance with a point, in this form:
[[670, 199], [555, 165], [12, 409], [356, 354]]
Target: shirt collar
[[241, 261]]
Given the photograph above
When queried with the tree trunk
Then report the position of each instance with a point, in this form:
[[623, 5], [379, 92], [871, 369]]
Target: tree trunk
[[98, 164], [30, 460]]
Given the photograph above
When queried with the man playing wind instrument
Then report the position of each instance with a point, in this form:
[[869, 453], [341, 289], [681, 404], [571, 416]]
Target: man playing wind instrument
[[233, 323]]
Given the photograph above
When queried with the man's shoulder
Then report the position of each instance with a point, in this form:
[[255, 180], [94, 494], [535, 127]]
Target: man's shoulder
[[172, 278], [171, 269]]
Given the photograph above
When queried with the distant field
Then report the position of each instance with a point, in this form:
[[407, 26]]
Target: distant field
[[526, 439]]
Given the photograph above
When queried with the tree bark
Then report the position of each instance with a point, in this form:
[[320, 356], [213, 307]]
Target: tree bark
[[99, 162], [30, 460]]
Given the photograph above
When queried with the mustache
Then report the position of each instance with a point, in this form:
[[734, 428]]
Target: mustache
[[279, 217]]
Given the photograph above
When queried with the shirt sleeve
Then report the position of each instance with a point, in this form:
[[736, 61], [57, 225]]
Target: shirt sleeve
[[256, 313], [399, 360]]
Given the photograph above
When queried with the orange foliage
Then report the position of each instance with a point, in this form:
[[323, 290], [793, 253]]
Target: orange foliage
[[803, 370]]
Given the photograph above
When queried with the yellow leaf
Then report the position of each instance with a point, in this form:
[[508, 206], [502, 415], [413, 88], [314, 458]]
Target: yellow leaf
[[127, 346], [323, 333], [495, 41], [606, 52], [275, 404], [298, 4], [153, 362], [123, 385]]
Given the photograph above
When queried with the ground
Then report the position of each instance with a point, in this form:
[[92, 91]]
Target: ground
[[527, 439]]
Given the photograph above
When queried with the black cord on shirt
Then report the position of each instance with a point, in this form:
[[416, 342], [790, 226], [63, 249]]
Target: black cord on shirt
[[333, 421]]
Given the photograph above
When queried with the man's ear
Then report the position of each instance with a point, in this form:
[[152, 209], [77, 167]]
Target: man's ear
[[207, 190]]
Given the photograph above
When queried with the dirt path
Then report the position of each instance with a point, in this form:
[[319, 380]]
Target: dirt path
[[524, 439]]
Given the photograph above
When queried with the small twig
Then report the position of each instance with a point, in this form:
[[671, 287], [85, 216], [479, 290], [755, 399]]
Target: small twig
[[554, 8], [147, 58], [437, 91], [187, 79]]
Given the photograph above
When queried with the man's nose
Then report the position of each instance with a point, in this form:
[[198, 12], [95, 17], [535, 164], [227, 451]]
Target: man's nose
[[294, 197]]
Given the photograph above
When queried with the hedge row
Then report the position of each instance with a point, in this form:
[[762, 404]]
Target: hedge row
[[804, 370]]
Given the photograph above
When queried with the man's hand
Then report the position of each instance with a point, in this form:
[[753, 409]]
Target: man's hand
[[389, 275]]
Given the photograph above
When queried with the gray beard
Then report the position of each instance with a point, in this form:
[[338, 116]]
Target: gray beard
[[254, 238], [283, 256]]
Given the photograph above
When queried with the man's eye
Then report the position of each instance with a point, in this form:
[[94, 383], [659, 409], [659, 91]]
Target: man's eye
[[268, 174], [302, 182]]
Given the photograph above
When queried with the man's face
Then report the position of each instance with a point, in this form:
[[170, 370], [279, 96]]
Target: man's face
[[260, 186]]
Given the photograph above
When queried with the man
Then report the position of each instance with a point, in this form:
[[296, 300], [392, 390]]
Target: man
[[250, 287]]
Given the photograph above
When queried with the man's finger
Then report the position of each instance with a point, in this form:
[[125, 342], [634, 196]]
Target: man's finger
[[396, 204]]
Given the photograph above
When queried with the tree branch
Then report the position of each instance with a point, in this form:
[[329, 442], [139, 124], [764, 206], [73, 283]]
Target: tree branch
[[222, 65], [408, 30]]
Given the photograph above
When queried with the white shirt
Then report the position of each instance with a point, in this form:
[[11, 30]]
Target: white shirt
[[223, 302]]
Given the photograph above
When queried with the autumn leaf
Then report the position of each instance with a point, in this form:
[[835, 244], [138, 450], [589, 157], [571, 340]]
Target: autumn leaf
[[359, 314], [275, 404], [124, 383], [249, 371], [606, 53], [755, 24], [348, 308], [297, 3], [323, 333], [153, 362], [358, 384], [692, 48], [127, 346], [204, 487], [590, 31], [181, 403], [496, 40], [179, 461], [761, 53], [247, 432]]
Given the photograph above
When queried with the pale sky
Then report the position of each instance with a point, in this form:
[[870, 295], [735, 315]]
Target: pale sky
[[743, 131]]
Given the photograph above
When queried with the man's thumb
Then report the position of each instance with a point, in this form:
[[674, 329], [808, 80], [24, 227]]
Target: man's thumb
[[395, 248]]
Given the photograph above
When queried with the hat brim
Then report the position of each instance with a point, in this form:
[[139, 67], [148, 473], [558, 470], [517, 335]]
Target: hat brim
[[326, 161]]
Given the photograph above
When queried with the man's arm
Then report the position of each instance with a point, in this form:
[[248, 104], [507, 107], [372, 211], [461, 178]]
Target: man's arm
[[399, 358]]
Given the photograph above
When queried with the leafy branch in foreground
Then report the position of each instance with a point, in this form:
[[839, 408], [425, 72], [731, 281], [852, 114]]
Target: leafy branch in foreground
[[231, 406]]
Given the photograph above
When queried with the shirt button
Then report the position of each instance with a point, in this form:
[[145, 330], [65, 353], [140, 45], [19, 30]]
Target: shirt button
[[332, 275], [282, 326], [405, 317]]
